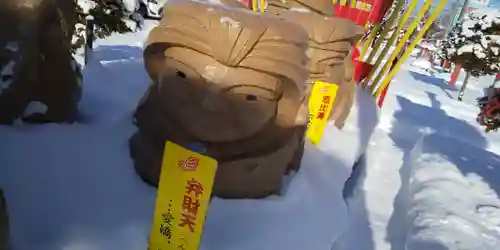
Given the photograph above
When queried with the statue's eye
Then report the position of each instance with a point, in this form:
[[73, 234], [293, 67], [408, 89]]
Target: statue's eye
[[179, 70], [253, 94], [181, 74], [251, 98]]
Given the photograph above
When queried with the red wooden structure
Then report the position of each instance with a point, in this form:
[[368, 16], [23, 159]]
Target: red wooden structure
[[362, 13], [247, 3], [455, 74]]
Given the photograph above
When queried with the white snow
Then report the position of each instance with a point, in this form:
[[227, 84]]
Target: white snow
[[73, 186], [4, 84], [7, 70], [477, 49], [387, 197], [473, 34], [485, 17], [469, 48], [231, 22], [416, 52], [304, 10], [429, 46], [78, 183], [35, 107], [451, 207], [79, 32], [12, 46], [131, 5], [422, 63], [86, 5]]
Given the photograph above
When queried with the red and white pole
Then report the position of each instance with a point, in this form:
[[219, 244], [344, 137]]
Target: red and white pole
[[455, 74], [497, 78]]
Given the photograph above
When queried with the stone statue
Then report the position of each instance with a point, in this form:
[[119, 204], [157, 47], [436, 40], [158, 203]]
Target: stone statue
[[330, 52], [331, 40], [230, 83], [330, 58], [36, 65]]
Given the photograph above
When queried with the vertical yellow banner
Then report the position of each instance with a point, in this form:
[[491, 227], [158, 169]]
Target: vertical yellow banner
[[320, 106], [184, 192]]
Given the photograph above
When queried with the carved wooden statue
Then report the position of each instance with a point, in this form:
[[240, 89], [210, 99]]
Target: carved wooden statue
[[330, 58], [36, 65], [230, 82], [331, 40]]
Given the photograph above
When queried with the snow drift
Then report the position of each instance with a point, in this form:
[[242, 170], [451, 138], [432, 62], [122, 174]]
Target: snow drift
[[453, 196]]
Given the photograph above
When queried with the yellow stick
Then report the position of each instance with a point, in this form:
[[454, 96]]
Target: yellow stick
[[419, 36], [401, 43], [343, 2], [385, 31], [262, 6], [359, 41], [383, 34], [367, 24], [353, 3], [254, 5], [366, 44], [335, 1], [393, 38], [369, 41]]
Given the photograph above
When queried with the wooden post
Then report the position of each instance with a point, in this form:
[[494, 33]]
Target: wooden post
[[382, 96], [384, 92], [464, 85], [426, 53], [89, 37], [497, 78], [455, 74], [247, 3], [446, 65]]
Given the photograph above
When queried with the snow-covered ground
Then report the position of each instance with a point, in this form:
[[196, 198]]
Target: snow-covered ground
[[428, 179], [429, 176]]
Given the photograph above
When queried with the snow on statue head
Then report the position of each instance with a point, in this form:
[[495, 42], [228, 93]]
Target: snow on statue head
[[322, 7], [330, 47], [228, 81], [37, 78]]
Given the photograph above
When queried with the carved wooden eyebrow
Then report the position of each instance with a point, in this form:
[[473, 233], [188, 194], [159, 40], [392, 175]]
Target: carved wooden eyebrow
[[262, 91]]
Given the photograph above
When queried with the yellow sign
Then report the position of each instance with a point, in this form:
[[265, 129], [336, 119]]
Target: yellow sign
[[320, 106], [184, 191]]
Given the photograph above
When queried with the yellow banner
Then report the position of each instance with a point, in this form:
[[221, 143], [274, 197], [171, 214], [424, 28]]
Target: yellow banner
[[184, 191], [320, 106]]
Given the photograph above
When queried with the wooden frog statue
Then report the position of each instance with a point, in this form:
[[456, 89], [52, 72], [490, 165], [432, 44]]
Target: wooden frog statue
[[228, 82], [330, 47]]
